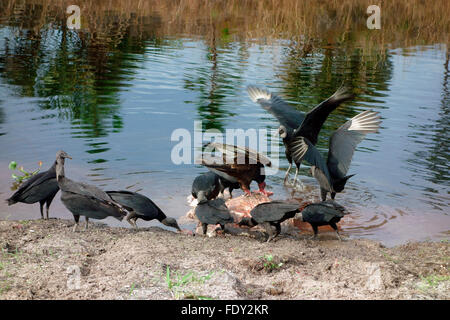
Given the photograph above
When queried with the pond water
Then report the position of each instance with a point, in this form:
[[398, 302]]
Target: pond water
[[114, 112]]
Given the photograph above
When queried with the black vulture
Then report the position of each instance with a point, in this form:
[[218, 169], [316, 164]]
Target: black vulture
[[295, 124], [230, 185], [85, 200], [213, 212], [206, 187], [41, 187], [238, 165], [141, 207], [332, 175], [321, 214], [270, 214]]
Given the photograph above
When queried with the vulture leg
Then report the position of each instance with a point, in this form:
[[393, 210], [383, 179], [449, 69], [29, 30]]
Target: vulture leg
[[42, 207], [204, 228], [316, 231], [287, 173], [246, 190], [295, 177], [87, 224], [334, 226], [333, 194], [222, 228], [323, 194], [278, 229], [131, 218], [268, 227], [263, 190], [294, 183], [222, 191], [77, 219], [49, 201]]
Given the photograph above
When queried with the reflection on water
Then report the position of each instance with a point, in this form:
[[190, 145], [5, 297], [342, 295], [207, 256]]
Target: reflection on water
[[113, 101]]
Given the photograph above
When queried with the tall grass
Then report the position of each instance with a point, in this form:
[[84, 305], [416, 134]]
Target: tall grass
[[316, 23]]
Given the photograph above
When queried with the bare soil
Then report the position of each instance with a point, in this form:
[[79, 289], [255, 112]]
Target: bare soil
[[46, 260]]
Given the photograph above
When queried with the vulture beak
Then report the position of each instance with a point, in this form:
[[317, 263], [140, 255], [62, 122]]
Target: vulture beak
[[201, 197]]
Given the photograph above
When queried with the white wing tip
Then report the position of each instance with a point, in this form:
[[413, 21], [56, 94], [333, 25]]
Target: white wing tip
[[257, 93], [367, 121]]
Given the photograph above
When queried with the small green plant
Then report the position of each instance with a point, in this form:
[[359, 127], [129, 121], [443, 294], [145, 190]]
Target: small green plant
[[24, 174], [269, 263], [4, 286], [434, 280], [176, 281], [196, 297], [390, 258], [133, 286]]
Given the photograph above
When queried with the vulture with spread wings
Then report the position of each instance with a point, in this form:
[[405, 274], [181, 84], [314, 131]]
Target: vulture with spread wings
[[332, 174], [293, 123]]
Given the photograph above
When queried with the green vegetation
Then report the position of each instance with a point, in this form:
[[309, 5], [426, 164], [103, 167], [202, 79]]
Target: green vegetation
[[133, 286], [269, 263], [24, 174], [5, 282], [390, 258], [176, 282], [5, 285], [429, 284], [434, 280]]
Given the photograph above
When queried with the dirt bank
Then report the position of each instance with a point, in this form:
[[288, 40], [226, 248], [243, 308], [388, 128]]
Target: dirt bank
[[42, 260]]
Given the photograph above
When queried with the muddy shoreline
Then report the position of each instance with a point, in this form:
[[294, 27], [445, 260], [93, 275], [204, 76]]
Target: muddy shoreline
[[45, 260]]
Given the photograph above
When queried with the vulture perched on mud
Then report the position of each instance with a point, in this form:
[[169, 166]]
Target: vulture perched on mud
[[83, 199], [321, 214], [271, 214], [141, 207], [41, 187], [213, 212]]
